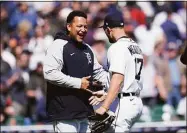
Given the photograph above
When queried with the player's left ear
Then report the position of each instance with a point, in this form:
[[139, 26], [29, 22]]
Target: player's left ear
[[108, 30]]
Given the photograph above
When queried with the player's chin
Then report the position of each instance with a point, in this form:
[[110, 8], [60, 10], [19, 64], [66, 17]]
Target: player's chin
[[80, 39]]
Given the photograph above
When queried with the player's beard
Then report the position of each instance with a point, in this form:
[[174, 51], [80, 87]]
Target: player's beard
[[111, 40]]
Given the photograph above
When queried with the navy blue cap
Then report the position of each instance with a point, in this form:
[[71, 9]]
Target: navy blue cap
[[113, 20]]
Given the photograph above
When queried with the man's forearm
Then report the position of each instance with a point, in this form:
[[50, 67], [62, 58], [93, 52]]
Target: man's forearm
[[60, 79], [115, 84]]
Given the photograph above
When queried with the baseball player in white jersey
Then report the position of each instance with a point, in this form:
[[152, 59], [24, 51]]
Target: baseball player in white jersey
[[125, 62]]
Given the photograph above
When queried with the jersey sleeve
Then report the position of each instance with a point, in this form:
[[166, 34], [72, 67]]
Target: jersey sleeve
[[117, 58]]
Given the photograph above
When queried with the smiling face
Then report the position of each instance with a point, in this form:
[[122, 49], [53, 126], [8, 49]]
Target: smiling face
[[78, 28]]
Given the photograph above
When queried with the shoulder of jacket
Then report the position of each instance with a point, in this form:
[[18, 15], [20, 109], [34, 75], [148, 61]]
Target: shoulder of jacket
[[57, 44], [60, 42], [88, 46]]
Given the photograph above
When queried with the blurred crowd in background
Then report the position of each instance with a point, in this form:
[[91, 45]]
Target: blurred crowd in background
[[28, 28]]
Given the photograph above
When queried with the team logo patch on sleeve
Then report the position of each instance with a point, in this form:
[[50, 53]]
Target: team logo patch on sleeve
[[88, 56]]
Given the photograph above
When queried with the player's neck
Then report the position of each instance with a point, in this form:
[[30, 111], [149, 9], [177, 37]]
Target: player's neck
[[119, 34]]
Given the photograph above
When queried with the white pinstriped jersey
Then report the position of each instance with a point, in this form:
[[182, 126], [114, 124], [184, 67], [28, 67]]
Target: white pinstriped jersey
[[125, 57]]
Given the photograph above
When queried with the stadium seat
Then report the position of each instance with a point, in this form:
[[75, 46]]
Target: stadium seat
[[156, 113]]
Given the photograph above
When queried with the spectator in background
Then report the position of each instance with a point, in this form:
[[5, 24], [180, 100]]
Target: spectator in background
[[42, 8], [22, 35], [7, 56], [36, 94], [99, 47], [182, 12], [136, 13], [5, 69], [95, 33], [146, 7], [4, 20], [161, 63], [23, 12], [39, 43], [92, 29], [161, 17], [12, 88], [170, 28], [63, 13], [176, 75], [10, 6], [76, 5], [12, 43], [153, 87], [2, 106], [149, 92], [7, 111], [6, 108], [147, 35], [129, 23], [17, 51], [18, 78]]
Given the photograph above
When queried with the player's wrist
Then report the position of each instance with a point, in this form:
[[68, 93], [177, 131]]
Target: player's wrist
[[105, 108]]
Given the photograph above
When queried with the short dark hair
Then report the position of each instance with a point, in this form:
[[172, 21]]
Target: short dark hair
[[75, 14]]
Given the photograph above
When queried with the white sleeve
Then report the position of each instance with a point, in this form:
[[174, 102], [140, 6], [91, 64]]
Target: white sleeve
[[99, 73], [117, 58], [53, 64]]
